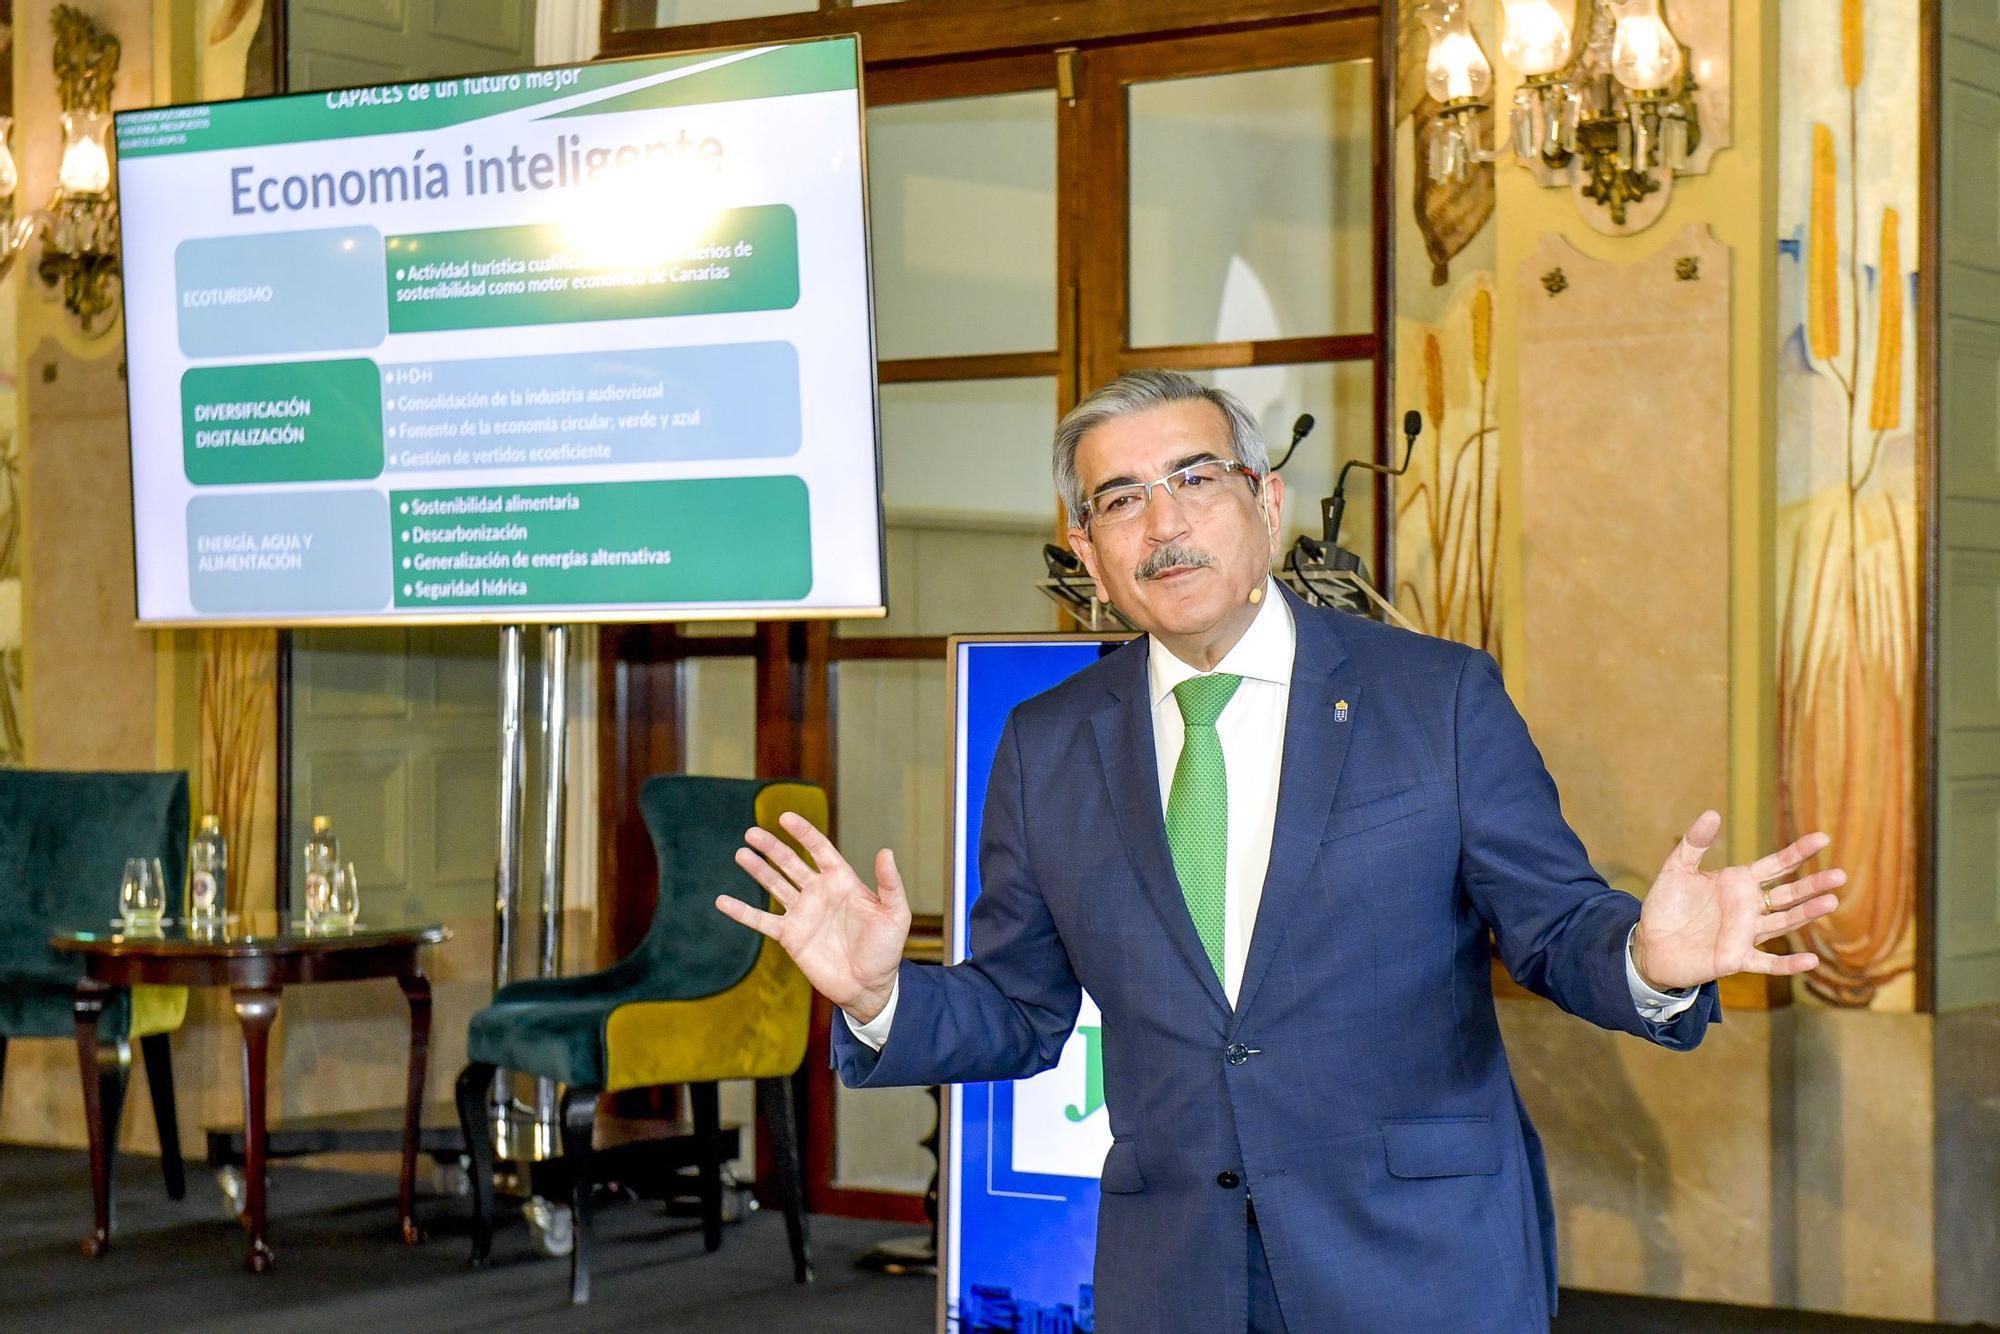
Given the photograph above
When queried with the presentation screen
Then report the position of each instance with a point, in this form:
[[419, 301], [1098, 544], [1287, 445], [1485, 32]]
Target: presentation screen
[[571, 344], [1022, 1159]]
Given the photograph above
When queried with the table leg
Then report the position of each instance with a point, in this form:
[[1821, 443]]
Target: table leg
[[88, 1009], [256, 1010], [417, 990]]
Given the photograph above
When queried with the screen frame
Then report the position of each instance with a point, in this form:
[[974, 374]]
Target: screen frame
[[646, 614], [948, 1107]]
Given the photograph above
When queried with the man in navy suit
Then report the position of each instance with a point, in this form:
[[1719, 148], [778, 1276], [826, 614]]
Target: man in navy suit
[[1278, 845]]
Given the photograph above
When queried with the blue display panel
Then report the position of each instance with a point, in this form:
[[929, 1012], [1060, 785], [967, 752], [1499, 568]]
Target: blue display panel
[[1022, 1158]]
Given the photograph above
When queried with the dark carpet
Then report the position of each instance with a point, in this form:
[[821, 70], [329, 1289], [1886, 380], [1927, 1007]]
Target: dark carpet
[[341, 1269]]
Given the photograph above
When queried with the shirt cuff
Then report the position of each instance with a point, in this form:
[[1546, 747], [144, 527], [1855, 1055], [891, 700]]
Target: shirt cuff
[[1655, 1006], [876, 1031]]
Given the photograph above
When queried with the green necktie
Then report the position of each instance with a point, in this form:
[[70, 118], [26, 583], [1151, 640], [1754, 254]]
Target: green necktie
[[1198, 809]]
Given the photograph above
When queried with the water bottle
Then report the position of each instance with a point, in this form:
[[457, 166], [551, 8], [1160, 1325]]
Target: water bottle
[[208, 873], [322, 855]]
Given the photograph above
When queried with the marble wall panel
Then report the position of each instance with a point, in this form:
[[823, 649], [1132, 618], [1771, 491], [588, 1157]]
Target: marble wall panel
[[77, 605], [1660, 1161], [1785, 1162], [1624, 386], [1859, 1159]]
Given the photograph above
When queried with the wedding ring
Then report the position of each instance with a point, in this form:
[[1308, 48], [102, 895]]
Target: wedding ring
[[1767, 900]]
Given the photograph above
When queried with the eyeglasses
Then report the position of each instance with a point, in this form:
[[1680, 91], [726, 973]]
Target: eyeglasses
[[1197, 487]]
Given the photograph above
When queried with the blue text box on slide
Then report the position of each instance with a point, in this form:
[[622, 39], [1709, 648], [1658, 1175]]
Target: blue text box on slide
[[636, 405], [252, 296], [268, 552]]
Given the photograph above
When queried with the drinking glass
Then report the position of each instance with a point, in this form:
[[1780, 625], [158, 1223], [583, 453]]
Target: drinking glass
[[142, 892]]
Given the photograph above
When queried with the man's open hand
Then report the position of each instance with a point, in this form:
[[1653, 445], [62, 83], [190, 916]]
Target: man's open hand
[[845, 937], [1699, 925]]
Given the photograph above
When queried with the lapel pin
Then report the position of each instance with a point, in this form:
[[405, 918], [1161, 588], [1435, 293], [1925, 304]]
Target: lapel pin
[[1340, 710]]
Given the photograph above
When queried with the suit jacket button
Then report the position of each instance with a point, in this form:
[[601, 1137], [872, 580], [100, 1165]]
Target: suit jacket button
[[1236, 1053], [1228, 1180]]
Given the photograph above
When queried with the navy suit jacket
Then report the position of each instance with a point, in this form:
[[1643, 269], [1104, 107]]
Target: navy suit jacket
[[1358, 1088]]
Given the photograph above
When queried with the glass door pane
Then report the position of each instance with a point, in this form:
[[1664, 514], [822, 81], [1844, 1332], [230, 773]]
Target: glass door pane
[[962, 212], [969, 503], [1252, 205]]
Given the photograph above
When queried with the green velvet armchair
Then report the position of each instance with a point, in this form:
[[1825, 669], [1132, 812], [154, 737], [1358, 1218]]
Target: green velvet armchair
[[64, 838], [701, 999]]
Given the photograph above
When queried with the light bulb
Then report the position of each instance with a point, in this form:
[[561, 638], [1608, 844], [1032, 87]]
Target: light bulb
[[10, 176], [86, 167], [1536, 37], [1457, 69], [1645, 55]]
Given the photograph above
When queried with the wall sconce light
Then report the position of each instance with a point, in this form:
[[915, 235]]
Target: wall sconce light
[[80, 225], [1606, 103], [13, 235], [1459, 78]]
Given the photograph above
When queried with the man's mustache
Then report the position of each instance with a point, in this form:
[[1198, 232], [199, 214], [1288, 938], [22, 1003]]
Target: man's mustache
[[1171, 557]]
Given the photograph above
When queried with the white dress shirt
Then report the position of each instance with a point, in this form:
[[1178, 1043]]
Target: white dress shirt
[[1252, 730]]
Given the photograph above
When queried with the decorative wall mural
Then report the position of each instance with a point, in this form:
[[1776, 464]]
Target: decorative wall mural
[[1448, 504], [1848, 521], [237, 720], [13, 740]]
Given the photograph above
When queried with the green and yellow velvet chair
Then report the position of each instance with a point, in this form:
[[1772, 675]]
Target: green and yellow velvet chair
[[701, 999], [64, 838]]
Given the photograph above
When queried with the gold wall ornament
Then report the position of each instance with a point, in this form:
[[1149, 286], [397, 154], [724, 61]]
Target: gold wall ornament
[[86, 60], [79, 226]]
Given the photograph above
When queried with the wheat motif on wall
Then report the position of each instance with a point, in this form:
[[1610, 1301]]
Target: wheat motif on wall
[[1847, 631], [1448, 517], [238, 689]]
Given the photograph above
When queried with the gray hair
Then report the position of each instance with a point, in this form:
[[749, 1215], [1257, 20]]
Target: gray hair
[[1142, 391]]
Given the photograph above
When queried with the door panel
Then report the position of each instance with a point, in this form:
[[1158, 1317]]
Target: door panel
[[395, 738], [333, 43], [1967, 799]]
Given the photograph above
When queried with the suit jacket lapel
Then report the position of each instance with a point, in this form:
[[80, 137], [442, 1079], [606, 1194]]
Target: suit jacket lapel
[[1315, 750], [1124, 729]]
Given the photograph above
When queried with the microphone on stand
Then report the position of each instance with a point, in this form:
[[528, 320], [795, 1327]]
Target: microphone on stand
[[1335, 506], [1325, 552], [1300, 430]]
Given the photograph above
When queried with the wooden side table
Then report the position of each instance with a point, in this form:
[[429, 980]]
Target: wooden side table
[[256, 957]]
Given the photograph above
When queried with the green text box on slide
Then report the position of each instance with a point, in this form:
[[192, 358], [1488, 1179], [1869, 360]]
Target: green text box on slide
[[307, 421], [720, 539], [541, 273]]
